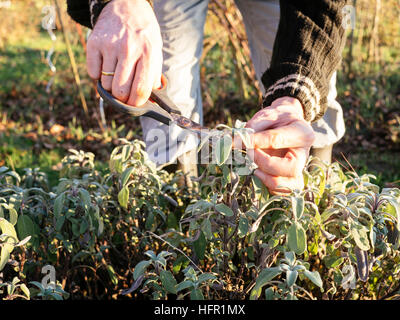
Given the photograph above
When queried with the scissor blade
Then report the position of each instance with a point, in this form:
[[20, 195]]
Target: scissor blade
[[188, 124], [203, 133]]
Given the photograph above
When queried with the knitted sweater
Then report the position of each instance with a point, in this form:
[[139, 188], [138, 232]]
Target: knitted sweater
[[307, 49]]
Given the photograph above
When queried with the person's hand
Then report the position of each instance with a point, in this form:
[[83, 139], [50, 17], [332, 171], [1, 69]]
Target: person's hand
[[126, 40], [282, 141]]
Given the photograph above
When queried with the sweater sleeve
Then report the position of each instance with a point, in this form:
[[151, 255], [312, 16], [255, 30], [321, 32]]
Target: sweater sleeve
[[307, 50], [85, 12]]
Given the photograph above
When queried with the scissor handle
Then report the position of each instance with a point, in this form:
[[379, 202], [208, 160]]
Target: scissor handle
[[159, 110], [161, 98]]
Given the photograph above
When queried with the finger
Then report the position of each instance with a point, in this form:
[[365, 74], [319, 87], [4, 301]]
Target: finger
[[123, 78], [156, 69], [295, 135], [280, 185], [291, 164], [269, 118], [109, 65], [93, 62], [239, 144], [141, 86]]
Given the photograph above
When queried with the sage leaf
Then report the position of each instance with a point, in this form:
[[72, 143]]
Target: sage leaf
[[13, 215], [140, 269], [296, 238], [362, 264], [224, 209], [126, 175], [184, 285], [168, 281], [205, 277], [269, 294], [291, 277], [223, 149], [58, 205], [8, 229], [263, 278], [136, 284], [25, 226], [243, 227], [207, 229], [25, 290], [196, 294], [4, 256], [314, 277], [333, 261], [85, 197], [200, 246], [297, 207], [112, 274], [360, 237], [123, 197]]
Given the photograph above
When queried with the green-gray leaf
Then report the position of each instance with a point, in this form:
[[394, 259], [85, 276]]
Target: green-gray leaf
[[25, 226], [58, 205], [196, 295], [224, 209], [200, 246], [206, 228], [360, 237], [205, 277], [140, 269], [298, 207], [314, 277], [296, 238], [184, 285], [85, 197], [223, 149], [264, 277], [168, 281], [60, 223], [291, 277], [13, 216], [243, 227]]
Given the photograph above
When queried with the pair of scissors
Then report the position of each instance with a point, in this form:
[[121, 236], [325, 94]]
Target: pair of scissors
[[158, 107]]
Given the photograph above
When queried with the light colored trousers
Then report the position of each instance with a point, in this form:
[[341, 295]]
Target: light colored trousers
[[182, 25]]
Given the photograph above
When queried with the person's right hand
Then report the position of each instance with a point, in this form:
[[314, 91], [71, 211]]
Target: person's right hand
[[126, 39]]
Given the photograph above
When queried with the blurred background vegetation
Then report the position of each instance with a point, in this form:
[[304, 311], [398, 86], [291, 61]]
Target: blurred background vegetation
[[44, 113]]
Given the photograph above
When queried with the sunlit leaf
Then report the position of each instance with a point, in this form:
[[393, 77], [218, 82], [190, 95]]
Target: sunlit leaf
[[123, 197], [223, 149], [314, 276], [296, 238]]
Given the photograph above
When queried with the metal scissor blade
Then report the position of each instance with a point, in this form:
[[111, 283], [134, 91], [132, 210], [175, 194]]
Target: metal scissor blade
[[203, 133], [190, 125]]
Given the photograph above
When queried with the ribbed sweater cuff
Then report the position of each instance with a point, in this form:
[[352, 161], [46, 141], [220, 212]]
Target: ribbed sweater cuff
[[290, 79]]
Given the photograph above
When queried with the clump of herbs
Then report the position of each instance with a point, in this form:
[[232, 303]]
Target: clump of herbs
[[133, 232]]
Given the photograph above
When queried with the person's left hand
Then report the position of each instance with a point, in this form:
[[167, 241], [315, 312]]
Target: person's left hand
[[282, 142]]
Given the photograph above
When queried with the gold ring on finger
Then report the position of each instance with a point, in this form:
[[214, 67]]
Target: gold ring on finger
[[105, 73]]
